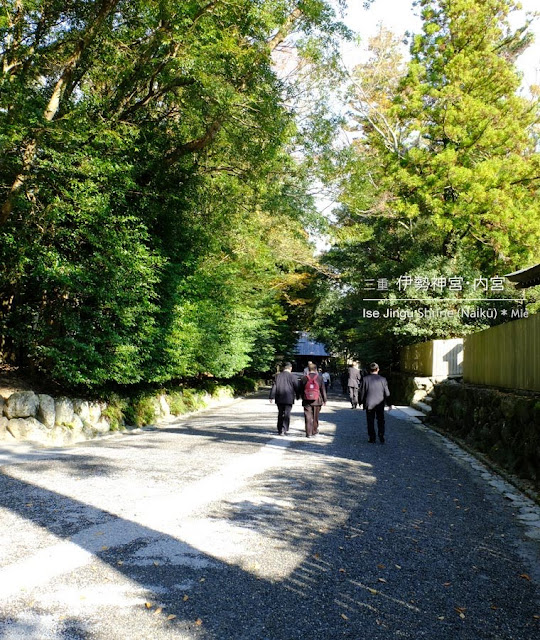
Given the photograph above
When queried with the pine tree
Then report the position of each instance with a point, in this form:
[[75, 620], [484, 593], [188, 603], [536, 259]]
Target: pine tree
[[469, 162], [442, 179]]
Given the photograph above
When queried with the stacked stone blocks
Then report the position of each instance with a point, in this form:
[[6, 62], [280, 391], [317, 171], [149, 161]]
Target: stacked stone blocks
[[505, 425], [41, 419]]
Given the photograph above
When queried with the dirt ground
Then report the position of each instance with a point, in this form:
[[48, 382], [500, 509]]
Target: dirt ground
[[13, 379]]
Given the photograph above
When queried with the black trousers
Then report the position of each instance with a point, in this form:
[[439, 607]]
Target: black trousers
[[353, 395], [371, 414], [283, 417]]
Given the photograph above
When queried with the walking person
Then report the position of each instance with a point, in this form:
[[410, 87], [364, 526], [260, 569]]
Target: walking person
[[284, 391], [343, 378], [374, 395], [353, 383], [306, 368], [327, 380], [313, 394]]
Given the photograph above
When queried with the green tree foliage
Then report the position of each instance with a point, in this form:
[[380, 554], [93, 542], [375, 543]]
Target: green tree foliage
[[441, 180], [473, 167], [151, 215]]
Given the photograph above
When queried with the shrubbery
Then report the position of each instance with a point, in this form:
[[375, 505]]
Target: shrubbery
[[144, 408], [244, 385], [115, 412], [147, 239]]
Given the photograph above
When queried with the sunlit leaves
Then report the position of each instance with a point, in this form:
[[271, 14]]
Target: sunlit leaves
[[159, 229], [441, 180]]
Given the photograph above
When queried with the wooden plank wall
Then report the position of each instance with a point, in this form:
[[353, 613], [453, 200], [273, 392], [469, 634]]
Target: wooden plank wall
[[447, 358], [437, 358], [418, 358], [505, 356]]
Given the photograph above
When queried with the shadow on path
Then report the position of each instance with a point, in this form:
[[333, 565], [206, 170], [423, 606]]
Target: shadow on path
[[394, 541]]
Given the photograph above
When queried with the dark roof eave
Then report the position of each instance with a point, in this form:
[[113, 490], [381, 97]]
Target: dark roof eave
[[524, 278]]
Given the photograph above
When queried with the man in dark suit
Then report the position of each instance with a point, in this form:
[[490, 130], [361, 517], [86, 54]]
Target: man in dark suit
[[312, 405], [374, 394], [353, 383], [284, 390]]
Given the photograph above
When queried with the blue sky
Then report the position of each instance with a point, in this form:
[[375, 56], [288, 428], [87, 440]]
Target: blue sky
[[399, 16]]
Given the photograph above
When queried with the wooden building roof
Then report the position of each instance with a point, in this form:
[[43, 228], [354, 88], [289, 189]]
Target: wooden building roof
[[308, 347], [525, 278]]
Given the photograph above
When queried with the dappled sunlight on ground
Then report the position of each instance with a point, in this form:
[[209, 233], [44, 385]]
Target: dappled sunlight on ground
[[216, 518]]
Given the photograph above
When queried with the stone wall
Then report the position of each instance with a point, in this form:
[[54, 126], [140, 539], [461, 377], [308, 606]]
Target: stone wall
[[503, 425], [407, 389], [42, 419], [39, 418]]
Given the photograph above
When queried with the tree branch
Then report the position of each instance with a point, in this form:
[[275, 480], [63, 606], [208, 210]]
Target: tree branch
[[195, 145], [285, 29]]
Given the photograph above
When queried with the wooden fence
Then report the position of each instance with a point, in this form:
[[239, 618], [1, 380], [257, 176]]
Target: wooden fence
[[505, 356], [435, 358]]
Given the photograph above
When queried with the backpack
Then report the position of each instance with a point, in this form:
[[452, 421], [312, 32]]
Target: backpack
[[312, 390]]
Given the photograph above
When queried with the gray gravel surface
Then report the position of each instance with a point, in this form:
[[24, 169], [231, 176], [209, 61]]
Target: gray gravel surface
[[213, 527]]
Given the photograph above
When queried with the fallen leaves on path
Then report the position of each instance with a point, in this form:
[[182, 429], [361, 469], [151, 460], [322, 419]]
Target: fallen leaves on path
[[461, 611]]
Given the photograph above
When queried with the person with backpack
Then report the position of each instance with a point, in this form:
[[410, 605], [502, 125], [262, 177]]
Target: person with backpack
[[313, 393]]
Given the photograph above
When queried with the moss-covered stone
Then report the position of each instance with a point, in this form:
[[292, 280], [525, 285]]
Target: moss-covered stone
[[505, 426]]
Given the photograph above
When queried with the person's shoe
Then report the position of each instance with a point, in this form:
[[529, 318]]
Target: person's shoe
[[381, 440], [372, 441]]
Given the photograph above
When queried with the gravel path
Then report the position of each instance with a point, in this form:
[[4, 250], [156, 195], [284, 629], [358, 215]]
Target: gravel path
[[215, 528]]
